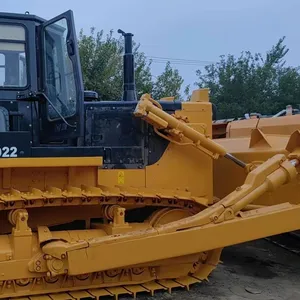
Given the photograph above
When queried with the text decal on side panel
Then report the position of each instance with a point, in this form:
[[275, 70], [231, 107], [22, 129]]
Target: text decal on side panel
[[8, 151]]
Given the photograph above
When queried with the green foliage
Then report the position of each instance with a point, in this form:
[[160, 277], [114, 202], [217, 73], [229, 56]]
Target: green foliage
[[187, 93], [248, 83], [101, 63], [251, 83], [168, 83], [143, 77], [102, 67]]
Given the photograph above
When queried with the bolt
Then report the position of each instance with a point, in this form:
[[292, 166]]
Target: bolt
[[63, 256], [238, 188]]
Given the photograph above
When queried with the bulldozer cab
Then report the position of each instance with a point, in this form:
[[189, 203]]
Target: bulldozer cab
[[44, 110], [41, 88]]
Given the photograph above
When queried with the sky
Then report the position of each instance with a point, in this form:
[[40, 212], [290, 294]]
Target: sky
[[198, 30]]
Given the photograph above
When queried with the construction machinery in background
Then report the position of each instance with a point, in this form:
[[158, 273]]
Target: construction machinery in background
[[238, 127], [102, 198]]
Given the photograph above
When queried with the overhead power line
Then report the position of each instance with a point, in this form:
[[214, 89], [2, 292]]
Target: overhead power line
[[179, 61]]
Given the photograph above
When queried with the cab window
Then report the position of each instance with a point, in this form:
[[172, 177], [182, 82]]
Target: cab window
[[12, 57], [59, 74]]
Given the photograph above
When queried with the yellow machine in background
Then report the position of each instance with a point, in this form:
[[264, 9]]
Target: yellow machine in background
[[102, 198], [256, 139]]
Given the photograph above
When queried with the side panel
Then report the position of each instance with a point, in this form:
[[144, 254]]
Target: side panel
[[127, 142], [122, 177], [112, 127], [185, 167], [179, 167], [15, 144]]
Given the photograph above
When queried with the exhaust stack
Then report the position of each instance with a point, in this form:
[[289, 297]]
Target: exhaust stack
[[129, 89]]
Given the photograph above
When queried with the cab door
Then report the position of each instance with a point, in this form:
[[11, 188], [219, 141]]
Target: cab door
[[61, 80]]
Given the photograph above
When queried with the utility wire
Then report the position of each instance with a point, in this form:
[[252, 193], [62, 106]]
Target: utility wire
[[182, 61], [179, 63]]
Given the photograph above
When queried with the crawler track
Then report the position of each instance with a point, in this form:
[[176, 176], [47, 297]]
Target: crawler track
[[150, 287], [289, 241], [112, 282]]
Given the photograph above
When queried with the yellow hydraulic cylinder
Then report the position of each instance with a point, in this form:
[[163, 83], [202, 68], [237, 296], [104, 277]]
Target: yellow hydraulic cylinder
[[149, 110]]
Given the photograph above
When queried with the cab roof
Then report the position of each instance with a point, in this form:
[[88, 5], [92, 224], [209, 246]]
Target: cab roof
[[17, 16]]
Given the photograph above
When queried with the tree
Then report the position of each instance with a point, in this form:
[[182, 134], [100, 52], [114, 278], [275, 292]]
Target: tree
[[251, 83], [187, 92], [143, 77], [102, 65], [168, 84]]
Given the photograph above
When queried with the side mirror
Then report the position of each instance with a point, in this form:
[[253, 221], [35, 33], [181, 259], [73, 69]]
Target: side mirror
[[90, 96]]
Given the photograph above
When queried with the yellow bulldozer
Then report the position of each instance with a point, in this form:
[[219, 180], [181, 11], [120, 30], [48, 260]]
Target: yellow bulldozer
[[104, 198]]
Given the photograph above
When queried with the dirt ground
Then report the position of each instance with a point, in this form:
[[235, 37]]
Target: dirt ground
[[257, 270]]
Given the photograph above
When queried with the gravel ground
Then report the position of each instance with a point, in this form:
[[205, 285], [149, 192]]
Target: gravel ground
[[256, 270]]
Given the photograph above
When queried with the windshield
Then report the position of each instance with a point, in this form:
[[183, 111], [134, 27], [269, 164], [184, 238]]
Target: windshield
[[59, 72], [12, 56]]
